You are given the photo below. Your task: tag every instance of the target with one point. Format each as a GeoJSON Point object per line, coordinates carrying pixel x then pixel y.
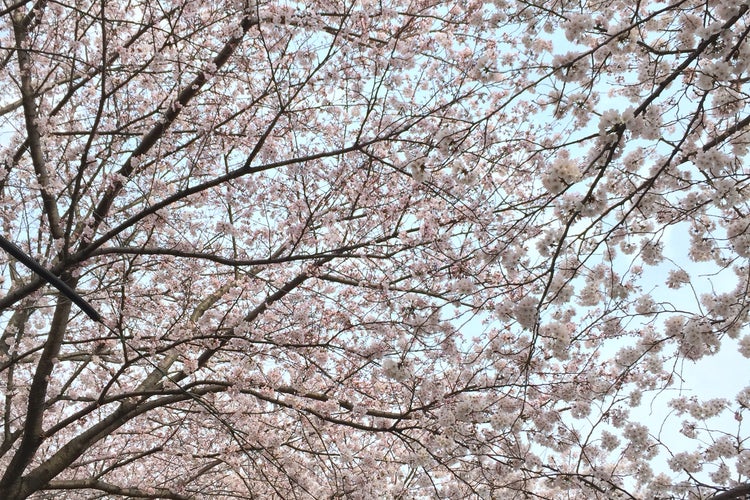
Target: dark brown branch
{"type": "Point", "coordinates": [736, 493]}
{"type": "Point", "coordinates": [31, 117]}
{"type": "Point", "coordinates": [151, 138]}
{"type": "Point", "coordinates": [32, 430]}
{"type": "Point", "coordinates": [93, 484]}
{"type": "Point", "coordinates": [50, 278]}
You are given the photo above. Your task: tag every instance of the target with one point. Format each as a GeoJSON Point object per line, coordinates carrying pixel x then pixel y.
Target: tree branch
{"type": "Point", "coordinates": [32, 118]}
{"type": "Point", "coordinates": [50, 278]}
{"type": "Point", "coordinates": [94, 484]}
{"type": "Point", "coordinates": [32, 431]}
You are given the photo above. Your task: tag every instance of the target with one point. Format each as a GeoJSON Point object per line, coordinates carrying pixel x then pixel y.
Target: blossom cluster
{"type": "Point", "coordinates": [561, 173]}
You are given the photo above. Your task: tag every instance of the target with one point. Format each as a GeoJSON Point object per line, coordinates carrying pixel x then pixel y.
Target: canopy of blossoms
{"type": "Point", "coordinates": [372, 249]}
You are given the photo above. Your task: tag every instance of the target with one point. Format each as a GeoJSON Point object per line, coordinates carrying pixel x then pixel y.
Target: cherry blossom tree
{"type": "Point", "coordinates": [371, 249]}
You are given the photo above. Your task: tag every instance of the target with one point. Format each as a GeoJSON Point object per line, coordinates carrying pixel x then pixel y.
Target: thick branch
{"type": "Point", "coordinates": [50, 278]}
{"type": "Point", "coordinates": [32, 432]}
{"type": "Point", "coordinates": [93, 484]}
{"type": "Point", "coordinates": [183, 99]}
{"type": "Point", "coordinates": [736, 493]}
{"type": "Point", "coordinates": [32, 118]}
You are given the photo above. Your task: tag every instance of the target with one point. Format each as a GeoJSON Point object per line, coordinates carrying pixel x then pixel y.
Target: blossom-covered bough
{"type": "Point", "coordinates": [355, 249]}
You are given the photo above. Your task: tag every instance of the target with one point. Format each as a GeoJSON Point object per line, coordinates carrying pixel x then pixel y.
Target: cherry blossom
{"type": "Point", "coordinates": [393, 249]}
